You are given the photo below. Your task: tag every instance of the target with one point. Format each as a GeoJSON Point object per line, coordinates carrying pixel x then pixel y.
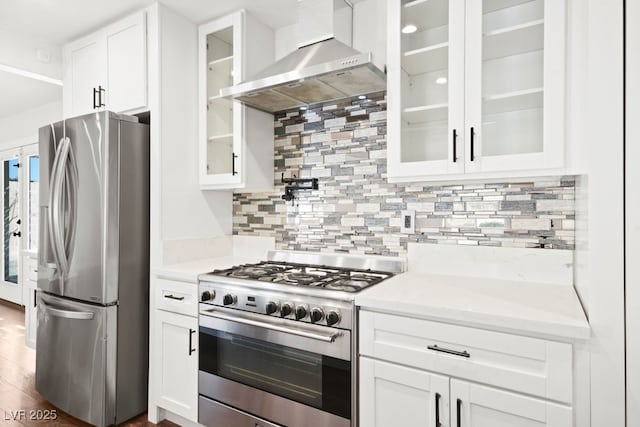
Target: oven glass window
{"type": "Point", "coordinates": [312, 379]}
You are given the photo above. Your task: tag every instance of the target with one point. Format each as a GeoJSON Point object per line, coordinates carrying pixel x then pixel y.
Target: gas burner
{"type": "Point", "coordinates": [317, 276]}
{"type": "Point", "coordinates": [299, 278]}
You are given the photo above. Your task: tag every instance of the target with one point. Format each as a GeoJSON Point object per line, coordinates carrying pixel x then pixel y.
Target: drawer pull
{"type": "Point", "coordinates": [170, 296]}
{"type": "Point", "coordinates": [448, 351]}
{"type": "Point", "coordinates": [191, 349]}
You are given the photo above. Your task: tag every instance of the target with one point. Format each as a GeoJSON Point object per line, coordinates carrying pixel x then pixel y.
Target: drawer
{"type": "Point", "coordinates": [527, 365]}
{"type": "Point", "coordinates": [177, 297]}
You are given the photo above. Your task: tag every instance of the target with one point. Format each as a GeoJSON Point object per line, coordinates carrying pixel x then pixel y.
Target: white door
{"type": "Point", "coordinates": [177, 385]}
{"type": "Point", "coordinates": [30, 215]}
{"type": "Point", "coordinates": [473, 405]}
{"type": "Point", "coordinates": [85, 72]}
{"type": "Point", "coordinates": [12, 225]}
{"type": "Point", "coordinates": [393, 395]}
{"type": "Point", "coordinates": [126, 84]}
{"type": "Point", "coordinates": [514, 59]}
{"type": "Point", "coordinates": [426, 87]}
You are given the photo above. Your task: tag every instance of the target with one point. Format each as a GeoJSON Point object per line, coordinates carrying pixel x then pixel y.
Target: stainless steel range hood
{"type": "Point", "coordinates": [318, 72]}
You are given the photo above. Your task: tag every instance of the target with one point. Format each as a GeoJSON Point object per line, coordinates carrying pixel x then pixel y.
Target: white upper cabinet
{"type": "Point", "coordinates": [126, 47]}
{"type": "Point", "coordinates": [107, 69]}
{"type": "Point", "coordinates": [236, 142]}
{"type": "Point", "coordinates": [425, 87]}
{"type": "Point", "coordinates": [85, 72]}
{"type": "Point", "coordinates": [476, 88]}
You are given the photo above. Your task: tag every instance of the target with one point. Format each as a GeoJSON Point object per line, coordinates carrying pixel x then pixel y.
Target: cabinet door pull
{"type": "Point", "coordinates": [473, 156]}
{"type": "Point", "coordinates": [171, 296]}
{"type": "Point", "coordinates": [449, 351]}
{"type": "Point", "coordinates": [458, 412]}
{"type": "Point", "coordinates": [233, 164]}
{"type": "Point", "coordinates": [191, 349]}
{"type": "Point", "coordinates": [455, 148]}
{"type": "Point", "coordinates": [95, 95]}
{"type": "Point", "coordinates": [101, 90]}
{"type": "Point", "coordinates": [438, 410]}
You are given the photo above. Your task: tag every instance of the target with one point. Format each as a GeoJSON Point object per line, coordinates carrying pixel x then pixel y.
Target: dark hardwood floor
{"type": "Point", "coordinates": [17, 378]}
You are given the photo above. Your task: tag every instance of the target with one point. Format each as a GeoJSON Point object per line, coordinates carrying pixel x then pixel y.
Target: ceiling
{"type": "Point", "coordinates": [60, 21]}
{"type": "Point", "coordinates": [25, 93]}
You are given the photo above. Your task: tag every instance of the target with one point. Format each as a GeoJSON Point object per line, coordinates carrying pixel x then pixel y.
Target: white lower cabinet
{"type": "Point", "coordinates": [394, 395]}
{"type": "Point", "coordinates": [479, 406]}
{"type": "Point", "coordinates": [176, 363]}
{"type": "Point", "coordinates": [421, 373]}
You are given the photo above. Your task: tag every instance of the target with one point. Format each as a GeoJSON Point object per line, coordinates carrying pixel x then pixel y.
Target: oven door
{"type": "Point", "coordinates": [286, 372]}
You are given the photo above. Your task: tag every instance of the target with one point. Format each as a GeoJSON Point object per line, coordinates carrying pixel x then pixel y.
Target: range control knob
{"type": "Point", "coordinates": [285, 310]}
{"type": "Point", "coordinates": [271, 307]}
{"type": "Point", "coordinates": [316, 314]}
{"type": "Point", "coordinates": [207, 296]}
{"type": "Point", "coordinates": [229, 299]}
{"type": "Point", "coordinates": [332, 318]}
{"type": "Point", "coordinates": [301, 312]}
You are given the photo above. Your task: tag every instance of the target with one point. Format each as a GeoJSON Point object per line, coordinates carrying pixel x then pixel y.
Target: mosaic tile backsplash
{"type": "Point", "coordinates": [357, 210]}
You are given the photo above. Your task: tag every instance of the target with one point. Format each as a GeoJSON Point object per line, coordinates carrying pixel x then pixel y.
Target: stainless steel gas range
{"type": "Point", "coordinates": [278, 340]}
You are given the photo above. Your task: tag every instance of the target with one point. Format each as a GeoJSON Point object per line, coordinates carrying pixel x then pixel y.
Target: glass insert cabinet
{"type": "Point", "coordinates": [475, 86]}
{"type": "Point", "coordinates": [234, 149]}
{"type": "Point", "coordinates": [223, 116]}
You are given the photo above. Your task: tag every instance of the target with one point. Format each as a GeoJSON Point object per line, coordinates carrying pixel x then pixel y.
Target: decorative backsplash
{"type": "Point", "coordinates": [356, 210]}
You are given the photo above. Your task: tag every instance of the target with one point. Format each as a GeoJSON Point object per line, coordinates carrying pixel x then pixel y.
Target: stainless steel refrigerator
{"type": "Point", "coordinates": [93, 267]}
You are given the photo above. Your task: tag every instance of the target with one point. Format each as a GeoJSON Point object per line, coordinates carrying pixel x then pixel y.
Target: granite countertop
{"type": "Point", "coordinates": [530, 308]}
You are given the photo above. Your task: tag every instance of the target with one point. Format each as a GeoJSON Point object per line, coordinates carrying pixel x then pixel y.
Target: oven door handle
{"type": "Point", "coordinates": [329, 338]}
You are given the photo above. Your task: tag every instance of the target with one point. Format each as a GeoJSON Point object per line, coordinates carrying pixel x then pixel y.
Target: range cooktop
{"type": "Point", "coordinates": [317, 276]}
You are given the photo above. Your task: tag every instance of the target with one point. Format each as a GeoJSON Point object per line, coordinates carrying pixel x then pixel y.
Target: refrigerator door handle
{"type": "Point", "coordinates": [67, 314]}
{"type": "Point", "coordinates": [56, 206]}
{"type": "Point", "coordinates": [70, 187]}
{"type": "Point", "coordinates": [55, 167]}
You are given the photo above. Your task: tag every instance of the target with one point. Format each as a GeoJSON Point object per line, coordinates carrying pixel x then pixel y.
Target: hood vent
{"type": "Point", "coordinates": [323, 71]}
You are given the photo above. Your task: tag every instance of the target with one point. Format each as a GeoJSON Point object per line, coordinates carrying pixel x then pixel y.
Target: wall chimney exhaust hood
{"type": "Point", "coordinates": [323, 68]}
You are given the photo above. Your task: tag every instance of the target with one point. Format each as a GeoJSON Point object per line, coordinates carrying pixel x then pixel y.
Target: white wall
{"type": "Point", "coordinates": [186, 211]}
{"type": "Point", "coordinates": [22, 128]}
{"type": "Point", "coordinates": [369, 29]}
{"type": "Point", "coordinates": [19, 51]}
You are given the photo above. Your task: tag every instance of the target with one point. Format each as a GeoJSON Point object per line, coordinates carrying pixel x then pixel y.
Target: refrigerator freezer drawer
{"type": "Point", "coordinates": [75, 357]}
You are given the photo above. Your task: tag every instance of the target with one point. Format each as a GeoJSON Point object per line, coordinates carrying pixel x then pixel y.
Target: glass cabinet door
{"type": "Point", "coordinates": [510, 83]}
{"type": "Point", "coordinates": [430, 82]}
{"type": "Point", "coordinates": [221, 136]}
{"type": "Point", "coordinates": [219, 110]}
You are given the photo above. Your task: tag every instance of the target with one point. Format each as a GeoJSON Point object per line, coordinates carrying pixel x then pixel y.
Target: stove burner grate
{"type": "Point", "coordinates": [318, 276]}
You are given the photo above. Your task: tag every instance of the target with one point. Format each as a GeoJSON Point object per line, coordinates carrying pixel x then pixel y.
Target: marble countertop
{"type": "Point", "coordinates": [189, 271]}
{"type": "Point", "coordinates": [530, 308]}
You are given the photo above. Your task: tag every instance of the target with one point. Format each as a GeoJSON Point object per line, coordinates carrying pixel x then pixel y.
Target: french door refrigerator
{"type": "Point", "coordinates": [93, 267]}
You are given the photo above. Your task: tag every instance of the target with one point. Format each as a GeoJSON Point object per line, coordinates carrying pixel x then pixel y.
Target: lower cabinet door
{"type": "Point", "coordinates": [394, 395]}
{"type": "Point", "coordinates": [473, 405]}
{"type": "Point", "coordinates": [177, 379]}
